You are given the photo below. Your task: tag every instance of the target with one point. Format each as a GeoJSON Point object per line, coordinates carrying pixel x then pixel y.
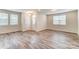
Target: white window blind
{"type": "Point", "coordinates": [59, 20]}
{"type": "Point", "coordinates": [13, 19]}
{"type": "Point", "coordinates": [3, 19]}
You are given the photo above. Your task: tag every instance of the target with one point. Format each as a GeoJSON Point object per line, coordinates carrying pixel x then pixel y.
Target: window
{"type": "Point", "coordinates": [13, 19]}
{"type": "Point", "coordinates": [3, 19]}
{"type": "Point", "coordinates": [59, 20]}
{"type": "Point", "coordinates": [33, 19]}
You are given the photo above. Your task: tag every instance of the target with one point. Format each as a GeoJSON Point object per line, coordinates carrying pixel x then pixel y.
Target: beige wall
{"type": "Point", "coordinates": [24, 23]}
{"type": "Point", "coordinates": [27, 22]}
{"type": "Point", "coordinates": [9, 28]}
{"type": "Point", "coordinates": [42, 23]}
{"type": "Point", "coordinates": [78, 22]}
{"type": "Point", "coordinates": [72, 22]}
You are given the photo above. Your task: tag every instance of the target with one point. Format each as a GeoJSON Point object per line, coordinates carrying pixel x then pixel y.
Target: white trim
{"type": "Point", "coordinates": [61, 11]}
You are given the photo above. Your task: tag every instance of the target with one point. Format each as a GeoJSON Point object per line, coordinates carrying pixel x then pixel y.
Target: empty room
{"type": "Point", "coordinates": [39, 29]}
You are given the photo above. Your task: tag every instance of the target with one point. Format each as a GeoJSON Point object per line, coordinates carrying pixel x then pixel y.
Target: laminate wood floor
{"type": "Point", "coordinates": [46, 39]}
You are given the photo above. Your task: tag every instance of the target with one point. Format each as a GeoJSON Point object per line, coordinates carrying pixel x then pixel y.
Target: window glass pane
{"type": "Point", "coordinates": [13, 19]}
{"type": "Point", "coordinates": [3, 19]}
{"type": "Point", "coordinates": [55, 22]}
{"type": "Point", "coordinates": [56, 18]}
{"type": "Point", "coordinates": [59, 19]}
{"type": "Point", "coordinates": [62, 22]}
{"type": "Point", "coordinates": [62, 17]}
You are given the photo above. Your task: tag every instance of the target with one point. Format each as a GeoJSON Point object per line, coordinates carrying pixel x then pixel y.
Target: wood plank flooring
{"type": "Point", "coordinates": [46, 39]}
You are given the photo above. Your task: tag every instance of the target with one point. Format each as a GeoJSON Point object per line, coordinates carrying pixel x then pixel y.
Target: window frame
{"type": "Point", "coordinates": [59, 21]}
{"type": "Point", "coordinates": [7, 18]}
{"type": "Point", "coordinates": [10, 19]}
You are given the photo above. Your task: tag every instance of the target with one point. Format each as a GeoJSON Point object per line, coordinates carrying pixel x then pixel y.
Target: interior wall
{"type": "Point", "coordinates": [78, 22]}
{"type": "Point", "coordinates": [72, 22]}
{"type": "Point", "coordinates": [41, 22]}
{"type": "Point", "coordinates": [10, 28]}
{"type": "Point", "coordinates": [27, 22]}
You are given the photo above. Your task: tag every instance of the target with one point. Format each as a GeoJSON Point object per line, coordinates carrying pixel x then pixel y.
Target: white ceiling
{"type": "Point", "coordinates": [44, 11]}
